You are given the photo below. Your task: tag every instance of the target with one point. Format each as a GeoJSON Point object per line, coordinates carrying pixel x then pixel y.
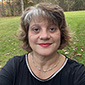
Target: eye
{"type": "Point", "coordinates": [36, 30]}
{"type": "Point", "coordinates": [52, 29]}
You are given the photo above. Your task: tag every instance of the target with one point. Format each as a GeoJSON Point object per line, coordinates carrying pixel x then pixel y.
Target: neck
{"type": "Point", "coordinates": [45, 62]}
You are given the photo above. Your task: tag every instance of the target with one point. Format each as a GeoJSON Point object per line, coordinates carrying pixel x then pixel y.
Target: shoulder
{"type": "Point", "coordinates": [74, 64]}
{"type": "Point", "coordinates": [14, 60]}
{"type": "Point", "coordinates": [8, 72]}
{"type": "Point", "coordinates": [77, 70]}
{"type": "Point", "coordinates": [73, 68]}
{"type": "Point", "coordinates": [20, 58]}
{"type": "Point", "coordinates": [17, 61]}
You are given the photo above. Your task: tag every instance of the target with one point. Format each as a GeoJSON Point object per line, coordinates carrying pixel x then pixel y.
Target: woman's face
{"type": "Point", "coordinates": [44, 36]}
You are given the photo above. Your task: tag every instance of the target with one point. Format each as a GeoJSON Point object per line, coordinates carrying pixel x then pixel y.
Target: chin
{"type": "Point", "coordinates": [46, 53]}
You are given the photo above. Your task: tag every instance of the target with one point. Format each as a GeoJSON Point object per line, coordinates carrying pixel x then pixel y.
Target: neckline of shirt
{"type": "Point", "coordinates": [44, 80]}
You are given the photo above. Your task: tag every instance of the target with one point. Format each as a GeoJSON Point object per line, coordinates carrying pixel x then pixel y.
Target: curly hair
{"type": "Point", "coordinates": [49, 11]}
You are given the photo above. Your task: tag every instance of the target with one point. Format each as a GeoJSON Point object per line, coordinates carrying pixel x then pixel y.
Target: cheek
{"type": "Point", "coordinates": [57, 40]}
{"type": "Point", "coordinates": [32, 38]}
{"type": "Point", "coordinates": [57, 36]}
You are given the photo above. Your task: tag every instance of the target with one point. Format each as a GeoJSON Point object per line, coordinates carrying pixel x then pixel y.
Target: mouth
{"type": "Point", "coordinates": [45, 44]}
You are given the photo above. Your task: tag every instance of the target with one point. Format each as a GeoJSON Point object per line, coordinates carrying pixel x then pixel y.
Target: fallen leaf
{"type": "Point", "coordinates": [66, 52]}
{"type": "Point", "coordinates": [74, 49]}
{"type": "Point", "coordinates": [81, 46]}
{"type": "Point", "coordinates": [12, 43]}
{"type": "Point", "coordinates": [63, 50]}
{"type": "Point", "coordinates": [7, 53]}
{"type": "Point", "coordinates": [81, 49]}
{"type": "Point", "coordinates": [9, 40]}
{"type": "Point", "coordinates": [74, 55]}
{"type": "Point", "coordinates": [77, 40]}
{"type": "Point", "coordinates": [75, 52]}
{"type": "Point", "coordinates": [79, 54]}
{"type": "Point", "coordinates": [14, 49]}
{"type": "Point", "coordinates": [74, 43]}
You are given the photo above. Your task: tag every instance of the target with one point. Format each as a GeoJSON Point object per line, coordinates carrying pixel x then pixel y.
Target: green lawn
{"type": "Point", "coordinates": [9, 43]}
{"type": "Point", "coordinates": [76, 22]}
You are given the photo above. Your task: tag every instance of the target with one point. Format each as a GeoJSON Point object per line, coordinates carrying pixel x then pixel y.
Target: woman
{"type": "Point", "coordinates": [43, 31]}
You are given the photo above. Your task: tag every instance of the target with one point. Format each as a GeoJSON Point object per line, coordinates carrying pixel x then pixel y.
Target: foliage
{"type": "Point", "coordinates": [14, 7]}
{"type": "Point", "coordinates": [9, 43]}
{"type": "Point", "coordinates": [10, 8]}
{"type": "Point", "coordinates": [78, 5]}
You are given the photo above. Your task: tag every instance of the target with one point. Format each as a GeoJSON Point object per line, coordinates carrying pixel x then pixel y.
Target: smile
{"type": "Point", "coordinates": [45, 44]}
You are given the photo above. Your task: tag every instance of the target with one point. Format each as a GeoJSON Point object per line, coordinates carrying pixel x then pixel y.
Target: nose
{"type": "Point", "coordinates": [44, 35]}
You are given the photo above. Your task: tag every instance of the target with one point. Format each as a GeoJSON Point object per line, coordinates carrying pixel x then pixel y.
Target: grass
{"type": "Point", "coordinates": [76, 22]}
{"type": "Point", "coordinates": [9, 43]}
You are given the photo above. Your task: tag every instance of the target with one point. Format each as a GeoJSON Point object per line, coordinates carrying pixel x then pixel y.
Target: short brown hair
{"type": "Point", "coordinates": [51, 11]}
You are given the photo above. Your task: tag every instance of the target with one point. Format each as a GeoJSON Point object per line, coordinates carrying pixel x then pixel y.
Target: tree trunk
{"type": "Point", "coordinates": [22, 6]}
{"type": "Point", "coordinates": [2, 12]}
{"type": "Point", "coordinates": [61, 3]}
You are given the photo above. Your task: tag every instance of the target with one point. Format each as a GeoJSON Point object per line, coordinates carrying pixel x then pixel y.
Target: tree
{"type": "Point", "coordinates": [16, 7]}
{"type": "Point", "coordinates": [61, 3]}
{"type": "Point", "coordinates": [22, 6]}
{"type": "Point", "coordinates": [78, 4]}
{"type": "Point", "coordinates": [2, 10]}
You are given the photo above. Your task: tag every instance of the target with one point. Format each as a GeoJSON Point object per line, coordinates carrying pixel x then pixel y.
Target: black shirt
{"type": "Point", "coordinates": [17, 72]}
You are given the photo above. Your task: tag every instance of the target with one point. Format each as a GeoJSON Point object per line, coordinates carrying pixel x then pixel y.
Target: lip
{"type": "Point", "coordinates": [45, 44]}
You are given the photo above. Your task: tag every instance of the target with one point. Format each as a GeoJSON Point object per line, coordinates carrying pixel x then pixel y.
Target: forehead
{"type": "Point", "coordinates": [43, 19]}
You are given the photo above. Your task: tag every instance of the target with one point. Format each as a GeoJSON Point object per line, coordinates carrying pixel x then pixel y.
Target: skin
{"type": "Point", "coordinates": [42, 30]}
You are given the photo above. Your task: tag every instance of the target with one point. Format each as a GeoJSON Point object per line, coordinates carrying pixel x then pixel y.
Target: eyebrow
{"type": "Point", "coordinates": [53, 24]}
{"type": "Point", "coordinates": [48, 25]}
{"type": "Point", "coordinates": [33, 25]}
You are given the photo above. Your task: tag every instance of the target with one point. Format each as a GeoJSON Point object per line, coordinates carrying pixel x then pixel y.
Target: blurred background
{"type": "Point", "coordinates": [10, 12]}
{"type": "Point", "coordinates": [16, 7]}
